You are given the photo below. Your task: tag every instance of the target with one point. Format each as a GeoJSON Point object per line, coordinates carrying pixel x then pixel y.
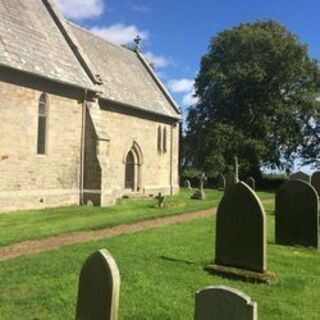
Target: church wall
{"type": "Point", "coordinates": [156, 176]}
{"type": "Point", "coordinates": [29, 180]}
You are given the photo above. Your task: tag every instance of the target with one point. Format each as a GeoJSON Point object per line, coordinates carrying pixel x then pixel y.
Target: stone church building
{"type": "Point", "coordinates": [81, 119]}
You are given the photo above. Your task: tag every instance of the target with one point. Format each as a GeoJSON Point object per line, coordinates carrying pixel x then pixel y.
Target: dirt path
{"type": "Point", "coordinates": [52, 243]}
{"type": "Point", "coordinates": [37, 246]}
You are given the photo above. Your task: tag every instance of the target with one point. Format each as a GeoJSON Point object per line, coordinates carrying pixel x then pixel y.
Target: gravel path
{"type": "Point", "coordinates": [36, 246]}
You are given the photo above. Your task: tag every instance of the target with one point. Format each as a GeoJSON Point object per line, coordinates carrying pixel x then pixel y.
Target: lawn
{"type": "Point", "coordinates": [30, 225]}
{"type": "Point", "coordinates": [161, 270]}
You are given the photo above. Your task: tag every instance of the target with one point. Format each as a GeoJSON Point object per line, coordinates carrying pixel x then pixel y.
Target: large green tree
{"type": "Point", "coordinates": [256, 87]}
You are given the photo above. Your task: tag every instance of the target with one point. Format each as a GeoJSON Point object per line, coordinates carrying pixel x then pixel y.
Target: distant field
{"type": "Point", "coordinates": [161, 270]}
{"type": "Point", "coordinates": [31, 225]}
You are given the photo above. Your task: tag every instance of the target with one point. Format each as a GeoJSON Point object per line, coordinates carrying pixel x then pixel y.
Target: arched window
{"type": "Point", "coordinates": [164, 138]}
{"type": "Point", "coordinates": [42, 124]}
{"type": "Point", "coordinates": [159, 139]}
{"type": "Point", "coordinates": [130, 171]}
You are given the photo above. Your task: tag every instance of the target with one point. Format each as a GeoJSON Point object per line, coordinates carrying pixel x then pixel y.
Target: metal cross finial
{"type": "Point", "coordinates": [137, 40]}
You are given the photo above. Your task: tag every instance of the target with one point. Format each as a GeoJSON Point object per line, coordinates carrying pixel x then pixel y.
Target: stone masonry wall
{"type": "Point", "coordinates": [28, 180]}
{"type": "Point", "coordinates": [156, 176]}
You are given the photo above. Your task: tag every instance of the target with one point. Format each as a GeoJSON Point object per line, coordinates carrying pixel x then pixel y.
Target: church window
{"type": "Point", "coordinates": [164, 139]}
{"type": "Point", "coordinates": [159, 139]}
{"type": "Point", "coordinates": [42, 124]}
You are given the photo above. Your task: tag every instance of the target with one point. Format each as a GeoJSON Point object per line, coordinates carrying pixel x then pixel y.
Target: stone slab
{"type": "Point", "coordinates": [223, 303]}
{"type": "Point", "coordinates": [99, 287]}
{"type": "Point", "coordinates": [297, 214]}
{"type": "Point", "coordinates": [241, 230]}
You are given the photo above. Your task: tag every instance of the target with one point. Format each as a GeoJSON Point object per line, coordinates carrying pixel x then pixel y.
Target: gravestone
{"type": "Point", "coordinates": [230, 180]}
{"type": "Point", "coordinates": [300, 176]}
{"type": "Point", "coordinates": [221, 182]}
{"type": "Point", "coordinates": [187, 184]}
{"type": "Point", "coordinates": [160, 199]}
{"type": "Point", "coordinates": [297, 214]}
{"type": "Point", "coordinates": [99, 286]}
{"type": "Point", "coordinates": [315, 181]}
{"type": "Point", "coordinates": [236, 169]}
{"type": "Point", "coordinates": [241, 236]}
{"type": "Point", "coordinates": [251, 182]}
{"type": "Point", "coordinates": [223, 303]}
{"type": "Point", "coordinates": [199, 194]}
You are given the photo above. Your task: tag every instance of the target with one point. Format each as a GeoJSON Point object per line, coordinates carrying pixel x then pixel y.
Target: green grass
{"type": "Point", "coordinates": [160, 272]}
{"type": "Point", "coordinates": [31, 225]}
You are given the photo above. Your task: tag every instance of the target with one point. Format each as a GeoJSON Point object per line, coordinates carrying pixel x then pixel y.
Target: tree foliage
{"type": "Point", "coordinates": [256, 88]}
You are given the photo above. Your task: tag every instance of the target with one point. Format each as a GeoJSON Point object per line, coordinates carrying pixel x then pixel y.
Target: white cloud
{"type": "Point", "coordinates": [120, 33]}
{"type": "Point", "coordinates": [181, 85]}
{"type": "Point", "coordinates": [189, 99]}
{"type": "Point", "coordinates": [157, 61]}
{"type": "Point", "coordinates": [81, 9]}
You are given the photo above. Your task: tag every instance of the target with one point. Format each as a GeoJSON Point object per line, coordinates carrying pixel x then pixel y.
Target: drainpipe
{"type": "Point", "coordinates": [171, 159]}
{"type": "Point", "coordinates": [83, 145]}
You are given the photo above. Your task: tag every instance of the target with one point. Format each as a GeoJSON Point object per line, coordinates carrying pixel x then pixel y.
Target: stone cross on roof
{"type": "Point", "coordinates": [137, 40]}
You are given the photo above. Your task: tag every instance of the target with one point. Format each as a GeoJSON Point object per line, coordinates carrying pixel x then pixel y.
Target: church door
{"type": "Point", "coordinates": [130, 171]}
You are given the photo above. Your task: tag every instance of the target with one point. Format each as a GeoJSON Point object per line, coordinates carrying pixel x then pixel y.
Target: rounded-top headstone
{"type": "Point", "coordinates": [251, 182]}
{"type": "Point", "coordinates": [300, 176]}
{"type": "Point", "coordinates": [219, 303]}
{"type": "Point", "coordinates": [230, 180]}
{"type": "Point", "coordinates": [297, 214]}
{"type": "Point", "coordinates": [315, 181]}
{"type": "Point", "coordinates": [240, 230]}
{"type": "Point", "coordinates": [221, 182]}
{"type": "Point", "coordinates": [99, 287]}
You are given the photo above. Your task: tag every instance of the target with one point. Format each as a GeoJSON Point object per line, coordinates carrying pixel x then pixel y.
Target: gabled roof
{"type": "Point", "coordinates": [126, 76]}
{"type": "Point", "coordinates": [31, 41]}
{"type": "Point", "coordinates": [36, 39]}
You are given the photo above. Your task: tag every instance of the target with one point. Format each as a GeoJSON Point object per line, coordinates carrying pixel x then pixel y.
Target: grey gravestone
{"type": "Point", "coordinates": [230, 179]}
{"type": "Point", "coordinates": [187, 184]}
{"type": "Point", "coordinates": [315, 181]}
{"type": "Point", "coordinates": [241, 230]}
{"type": "Point", "coordinates": [200, 194]}
{"type": "Point", "coordinates": [236, 169]}
{"type": "Point", "coordinates": [221, 182]}
{"type": "Point", "coordinates": [223, 303]}
{"type": "Point", "coordinates": [300, 176]}
{"type": "Point", "coordinates": [297, 214]}
{"type": "Point", "coordinates": [160, 199]}
{"type": "Point", "coordinates": [251, 182]}
{"type": "Point", "coordinates": [99, 286]}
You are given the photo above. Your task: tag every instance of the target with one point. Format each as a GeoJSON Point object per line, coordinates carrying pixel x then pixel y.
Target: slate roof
{"type": "Point", "coordinates": [126, 77]}
{"type": "Point", "coordinates": [31, 41]}
{"type": "Point", "coordinates": [34, 38]}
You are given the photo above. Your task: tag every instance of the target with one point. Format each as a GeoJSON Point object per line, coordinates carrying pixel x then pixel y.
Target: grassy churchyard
{"type": "Point", "coordinates": [161, 269]}
{"type": "Point", "coordinates": [160, 272]}
{"type": "Point", "coordinates": [39, 224]}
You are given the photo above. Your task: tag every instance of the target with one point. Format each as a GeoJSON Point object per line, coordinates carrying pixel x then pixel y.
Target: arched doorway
{"type": "Point", "coordinates": [133, 163]}
{"type": "Point", "coordinates": [130, 171]}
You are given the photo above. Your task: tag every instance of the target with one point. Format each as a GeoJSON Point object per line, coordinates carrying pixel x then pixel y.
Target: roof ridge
{"type": "Point", "coordinates": [100, 37]}
{"type": "Point", "coordinates": [72, 41]}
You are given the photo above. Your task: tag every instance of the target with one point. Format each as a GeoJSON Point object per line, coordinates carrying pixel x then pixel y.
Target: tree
{"type": "Point", "coordinates": [256, 89]}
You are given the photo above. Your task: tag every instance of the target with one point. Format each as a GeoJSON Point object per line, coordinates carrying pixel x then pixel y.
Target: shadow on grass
{"type": "Point", "coordinates": [178, 260]}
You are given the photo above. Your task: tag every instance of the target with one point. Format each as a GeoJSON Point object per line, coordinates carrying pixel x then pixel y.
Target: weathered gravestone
{"type": "Point", "coordinates": [221, 182]}
{"type": "Point", "coordinates": [160, 199]}
{"type": "Point", "coordinates": [315, 181]}
{"type": "Point", "coordinates": [200, 194]}
{"type": "Point", "coordinates": [99, 286]}
{"type": "Point", "coordinates": [241, 235]}
{"type": "Point", "coordinates": [300, 176]}
{"type": "Point", "coordinates": [187, 184]}
{"type": "Point", "coordinates": [230, 180]}
{"type": "Point", "coordinates": [223, 303]}
{"type": "Point", "coordinates": [251, 182]}
{"type": "Point", "coordinates": [297, 214]}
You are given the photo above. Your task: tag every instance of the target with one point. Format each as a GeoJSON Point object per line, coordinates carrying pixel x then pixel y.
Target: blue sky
{"type": "Point", "coordinates": [177, 32]}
